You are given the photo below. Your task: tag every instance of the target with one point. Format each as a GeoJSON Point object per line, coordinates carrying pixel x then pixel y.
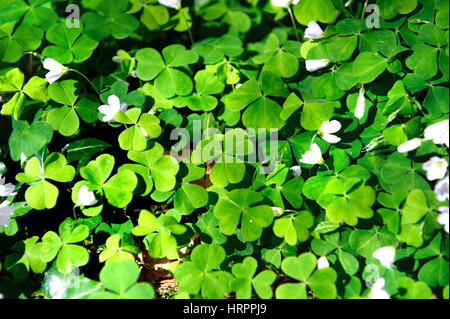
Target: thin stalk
{"type": "Point", "coordinates": [84, 77]}
{"type": "Point", "coordinates": [293, 23]}
{"type": "Point", "coordinates": [187, 26]}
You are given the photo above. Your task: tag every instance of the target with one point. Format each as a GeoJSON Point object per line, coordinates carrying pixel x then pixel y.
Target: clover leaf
{"type": "Point", "coordinates": [162, 168]}
{"type": "Point", "coordinates": [143, 126]}
{"type": "Point", "coordinates": [42, 194]}
{"type": "Point", "coordinates": [65, 119]}
{"type": "Point", "coordinates": [118, 247]}
{"type": "Point", "coordinates": [294, 228]}
{"type": "Point", "coordinates": [245, 279]}
{"type": "Point", "coordinates": [240, 203]}
{"type": "Point", "coordinates": [70, 45]}
{"type": "Point", "coordinates": [169, 80]}
{"type": "Point", "coordinates": [62, 246]}
{"type": "Point", "coordinates": [12, 81]}
{"type": "Point", "coordinates": [199, 276]}
{"type": "Point", "coordinates": [119, 279]}
{"type": "Point", "coordinates": [159, 234]}
{"type": "Point", "coordinates": [109, 19]}
{"type": "Point", "coordinates": [262, 112]}
{"type": "Point", "coordinates": [118, 189]}
{"type": "Point", "coordinates": [13, 43]}
{"type": "Point", "coordinates": [321, 282]}
{"type": "Point", "coordinates": [25, 257]}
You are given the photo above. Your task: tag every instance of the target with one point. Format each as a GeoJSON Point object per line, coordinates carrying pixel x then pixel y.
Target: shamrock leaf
{"type": "Point", "coordinates": [36, 13]}
{"type": "Point", "coordinates": [169, 81]}
{"type": "Point", "coordinates": [162, 168]}
{"type": "Point", "coordinates": [244, 273]}
{"type": "Point", "coordinates": [65, 119]}
{"type": "Point", "coordinates": [118, 247]}
{"type": "Point", "coordinates": [110, 19]}
{"type": "Point", "coordinates": [310, 10]}
{"type": "Point", "coordinates": [199, 274]}
{"type": "Point", "coordinates": [118, 189]}
{"type": "Point", "coordinates": [206, 84]}
{"type": "Point", "coordinates": [119, 278]}
{"type": "Point", "coordinates": [70, 45]}
{"type": "Point", "coordinates": [68, 255]}
{"type": "Point", "coordinates": [13, 43]}
{"type": "Point", "coordinates": [42, 194]}
{"type": "Point", "coordinates": [213, 50]}
{"type": "Point", "coordinates": [11, 81]}
{"type": "Point", "coordinates": [143, 126]}
{"type": "Point", "coordinates": [25, 257]}
{"type": "Point", "coordinates": [277, 59]}
{"type": "Point", "coordinates": [294, 228]}
{"type": "Point", "coordinates": [301, 268]}
{"type": "Point", "coordinates": [262, 112]}
{"type": "Point", "coordinates": [240, 203]}
{"type": "Point", "coordinates": [29, 139]}
{"type": "Point", "coordinates": [190, 196]}
{"type": "Point", "coordinates": [159, 234]}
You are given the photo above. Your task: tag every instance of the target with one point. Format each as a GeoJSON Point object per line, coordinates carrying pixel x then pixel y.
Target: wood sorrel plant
{"type": "Point", "coordinates": [228, 149]}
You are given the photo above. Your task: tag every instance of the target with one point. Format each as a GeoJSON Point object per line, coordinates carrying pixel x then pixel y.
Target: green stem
{"type": "Point", "coordinates": [293, 23]}
{"type": "Point", "coordinates": [84, 77]}
{"type": "Point", "coordinates": [187, 26]}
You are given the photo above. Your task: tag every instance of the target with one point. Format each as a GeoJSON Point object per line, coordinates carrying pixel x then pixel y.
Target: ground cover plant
{"type": "Point", "coordinates": [224, 149]}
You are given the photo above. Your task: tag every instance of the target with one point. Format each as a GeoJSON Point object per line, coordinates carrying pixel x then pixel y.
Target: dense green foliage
{"type": "Point", "coordinates": [334, 184]}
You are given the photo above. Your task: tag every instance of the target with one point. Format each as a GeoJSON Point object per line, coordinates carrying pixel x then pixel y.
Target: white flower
{"type": "Point", "coordinates": [313, 31]}
{"type": "Point", "coordinates": [284, 3]}
{"type": "Point", "coordinates": [443, 217]}
{"type": "Point", "coordinates": [441, 189]}
{"type": "Point", "coordinates": [326, 130]}
{"type": "Point", "coordinates": [176, 4]}
{"type": "Point", "coordinates": [409, 145]}
{"type": "Point", "coordinates": [6, 212]}
{"type": "Point", "coordinates": [56, 69]}
{"type": "Point", "coordinates": [6, 190]}
{"type": "Point", "coordinates": [322, 262]}
{"type": "Point", "coordinates": [436, 168]}
{"type": "Point", "coordinates": [296, 170]}
{"type": "Point", "coordinates": [85, 197]}
{"type": "Point", "coordinates": [386, 256]}
{"type": "Point", "coordinates": [313, 156]}
{"type": "Point", "coordinates": [277, 211]}
{"type": "Point", "coordinates": [360, 105]}
{"type": "Point", "coordinates": [112, 108]}
{"type": "Point", "coordinates": [314, 65]}
{"type": "Point", "coordinates": [377, 291]}
{"type": "Point", "coordinates": [438, 132]}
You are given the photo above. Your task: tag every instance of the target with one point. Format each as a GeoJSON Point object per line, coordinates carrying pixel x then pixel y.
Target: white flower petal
{"type": "Point", "coordinates": [443, 217]}
{"type": "Point", "coordinates": [296, 170]}
{"type": "Point", "coordinates": [176, 4]}
{"type": "Point", "coordinates": [409, 145]}
{"type": "Point", "coordinates": [52, 65]}
{"type": "Point", "coordinates": [330, 138]}
{"type": "Point", "coordinates": [438, 132]}
{"type": "Point", "coordinates": [386, 256]}
{"type": "Point", "coordinates": [377, 291]}
{"type": "Point", "coordinates": [360, 105]}
{"type": "Point", "coordinates": [313, 156]}
{"type": "Point", "coordinates": [322, 262]}
{"type": "Point", "coordinates": [436, 168]}
{"type": "Point", "coordinates": [281, 3]}
{"type": "Point", "coordinates": [6, 212]}
{"type": "Point", "coordinates": [85, 197]}
{"type": "Point", "coordinates": [314, 65]}
{"type": "Point", "coordinates": [114, 102]}
{"type": "Point", "coordinates": [313, 31]}
{"type": "Point", "coordinates": [441, 189]}
{"type": "Point", "coordinates": [328, 127]}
